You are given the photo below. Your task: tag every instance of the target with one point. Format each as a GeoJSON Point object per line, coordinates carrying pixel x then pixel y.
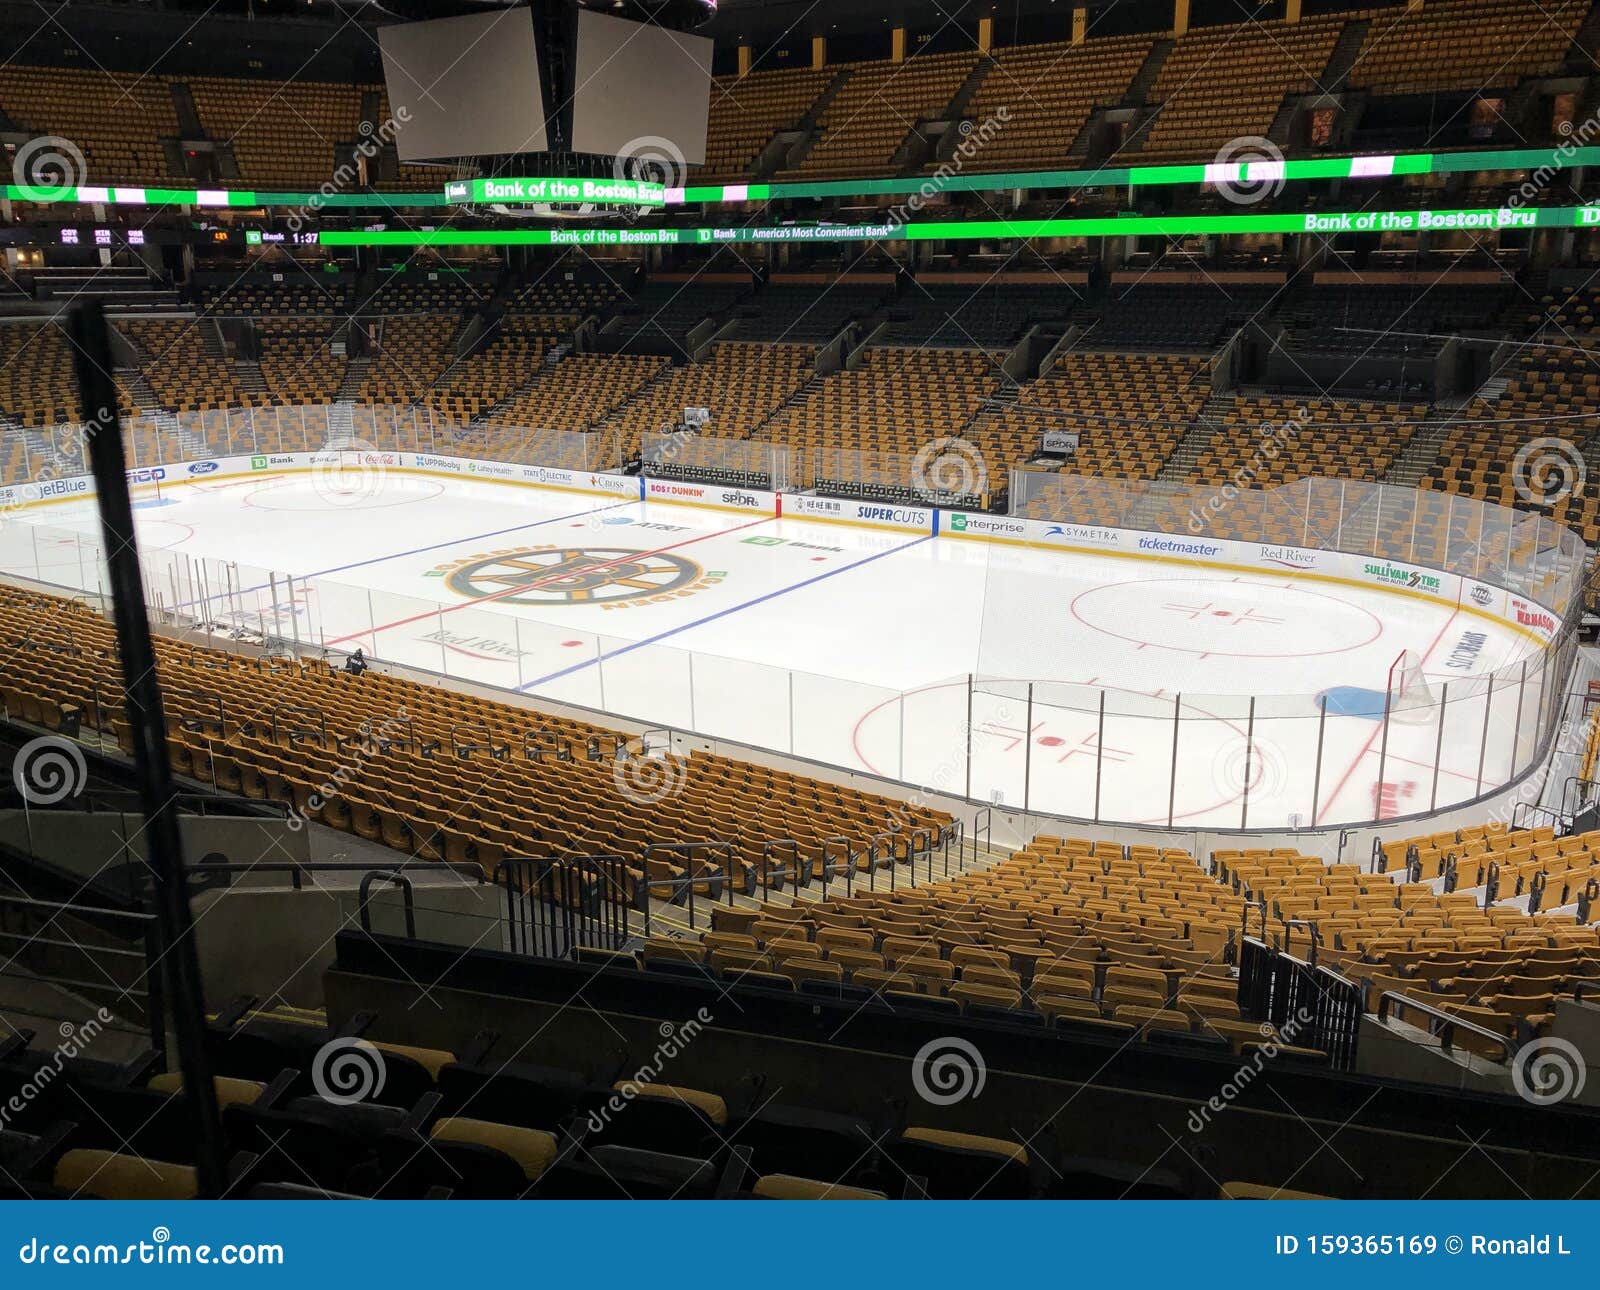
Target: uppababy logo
{"type": "Point", "coordinates": [1394, 575]}
{"type": "Point", "coordinates": [202, 467]}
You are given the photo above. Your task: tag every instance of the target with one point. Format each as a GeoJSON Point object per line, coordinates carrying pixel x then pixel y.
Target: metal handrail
{"type": "Point", "coordinates": [1393, 1000]}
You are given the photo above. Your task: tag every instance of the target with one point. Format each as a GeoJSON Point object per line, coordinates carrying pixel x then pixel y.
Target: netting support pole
{"type": "Point", "coordinates": [1383, 752]}
{"type": "Point", "coordinates": [1027, 749]}
{"type": "Point", "coordinates": [1483, 741]}
{"type": "Point", "coordinates": [969, 737]}
{"type": "Point", "coordinates": [1099, 754]}
{"type": "Point", "coordinates": [1516, 726]}
{"type": "Point", "coordinates": [1316, 775]}
{"type": "Point", "coordinates": [1249, 763]}
{"type": "Point", "coordinates": [1438, 746]}
{"type": "Point", "coordinates": [1172, 769]}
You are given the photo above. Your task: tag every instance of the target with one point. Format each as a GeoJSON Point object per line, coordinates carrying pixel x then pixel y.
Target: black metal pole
{"type": "Point", "coordinates": [91, 341]}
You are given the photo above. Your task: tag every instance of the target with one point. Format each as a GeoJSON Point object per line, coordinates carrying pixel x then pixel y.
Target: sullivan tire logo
{"type": "Point", "coordinates": [610, 577]}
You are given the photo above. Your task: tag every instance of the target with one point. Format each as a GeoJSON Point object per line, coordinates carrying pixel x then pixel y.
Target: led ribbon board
{"type": "Point", "coordinates": [1324, 223]}
{"type": "Point", "coordinates": [1382, 166]}
{"type": "Point", "coordinates": [512, 191]}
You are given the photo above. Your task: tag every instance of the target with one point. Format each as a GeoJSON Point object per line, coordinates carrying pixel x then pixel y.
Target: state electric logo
{"type": "Point", "coordinates": [609, 577]}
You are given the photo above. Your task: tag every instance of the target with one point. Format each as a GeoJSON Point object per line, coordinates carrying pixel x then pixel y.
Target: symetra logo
{"type": "Point", "coordinates": [202, 467]}
{"type": "Point", "coordinates": [1394, 575]}
{"type": "Point", "coordinates": [1290, 557]}
{"type": "Point", "coordinates": [1083, 533]}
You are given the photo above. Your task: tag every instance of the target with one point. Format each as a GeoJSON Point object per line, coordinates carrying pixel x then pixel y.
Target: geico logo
{"type": "Point", "coordinates": [149, 475]}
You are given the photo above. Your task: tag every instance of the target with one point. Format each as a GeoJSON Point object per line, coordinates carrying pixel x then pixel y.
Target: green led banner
{"type": "Point", "coordinates": [943, 180]}
{"type": "Point", "coordinates": [615, 192]}
{"type": "Point", "coordinates": [1324, 223]}
{"type": "Point", "coordinates": [1238, 173]}
{"type": "Point", "coordinates": [221, 197]}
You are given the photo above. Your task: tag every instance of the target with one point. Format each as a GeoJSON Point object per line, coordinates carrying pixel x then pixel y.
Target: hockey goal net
{"type": "Point", "coordinates": [1409, 696]}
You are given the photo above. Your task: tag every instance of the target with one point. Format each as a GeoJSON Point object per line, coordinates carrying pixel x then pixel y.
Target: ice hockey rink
{"type": "Point", "coordinates": [1095, 687]}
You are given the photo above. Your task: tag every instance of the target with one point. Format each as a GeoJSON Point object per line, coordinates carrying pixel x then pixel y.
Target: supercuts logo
{"type": "Point", "coordinates": [1532, 616]}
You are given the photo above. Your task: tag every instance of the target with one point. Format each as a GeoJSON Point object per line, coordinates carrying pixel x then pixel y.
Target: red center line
{"type": "Point", "coordinates": [1378, 726]}
{"type": "Point", "coordinates": [526, 586]}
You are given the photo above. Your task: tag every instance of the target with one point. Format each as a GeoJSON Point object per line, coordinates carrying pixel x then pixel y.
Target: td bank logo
{"type": "Point", "coordinates": [258, 463]}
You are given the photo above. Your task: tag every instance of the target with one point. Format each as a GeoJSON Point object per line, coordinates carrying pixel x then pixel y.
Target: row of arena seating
{"type": "Point", "coordinates": [1214, 84]}
{"type": "Point", "coordinates": [414, 793]}
{"type": "Point", "coordinates": [494, 1121]}
{"type": "Point", "coordinates": [1136, 938]}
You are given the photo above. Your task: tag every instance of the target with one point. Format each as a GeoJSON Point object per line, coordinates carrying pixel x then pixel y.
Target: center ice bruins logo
{"type": "Point", "coordinates": [610, 577]}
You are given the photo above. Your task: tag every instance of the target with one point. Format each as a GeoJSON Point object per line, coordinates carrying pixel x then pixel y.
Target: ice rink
{"type": "Point", "coordinates": [1104, 687]}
